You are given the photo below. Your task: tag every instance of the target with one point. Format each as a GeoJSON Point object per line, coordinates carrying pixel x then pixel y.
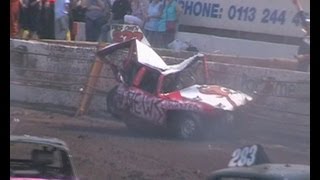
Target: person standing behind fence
{"type": "Point", "coordinates": [75, 13]}
{"type": "Point", "coordinates": [96, 17]}
{"type": "Point", "coordinates": [119, 9]}
{"type": "Point", "coordinates": [33, 15]}
{"type": "Point", "coordinates": [138, 14]}
{"type": "Point", "coordinates": [23, 18]}
{"type": "Point", "coordinates": [14, 18]}
{"type": "Point", "coordinates": [61, 19]}
{"type": "Point", "coordinates": [303, 55]}
{"type": "Point", "coordinates": [47, 20]}
{"type": "Point", "coordinates": [152, 23]}
{"type": "Point", "coordinates": [169, 21]}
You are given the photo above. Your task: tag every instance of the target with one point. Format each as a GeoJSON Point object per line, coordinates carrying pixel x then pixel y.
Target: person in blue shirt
{"type": "Point", "coordinates": [61, 25]}
{"type": "Point", "coordinates": [169, 21]}
{"type": "Point", "coordinates": [152, 23]}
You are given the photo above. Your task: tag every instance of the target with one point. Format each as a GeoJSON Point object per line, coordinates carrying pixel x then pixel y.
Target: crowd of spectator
{"type": "Point", "coordinates": [53, 19]}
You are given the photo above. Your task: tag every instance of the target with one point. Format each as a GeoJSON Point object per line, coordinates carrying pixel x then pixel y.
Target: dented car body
{"type": "Point", "coordinates": [40, 158]}
{"type": "Point", "coordinates": [172, 97]}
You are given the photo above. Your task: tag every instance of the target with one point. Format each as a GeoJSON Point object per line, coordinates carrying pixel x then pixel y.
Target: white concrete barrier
{"type": "Point", "coordinates": [238, 47]}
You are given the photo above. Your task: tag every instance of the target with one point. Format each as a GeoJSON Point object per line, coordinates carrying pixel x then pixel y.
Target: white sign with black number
{"type": "Point", "coordinates": [245, 156]}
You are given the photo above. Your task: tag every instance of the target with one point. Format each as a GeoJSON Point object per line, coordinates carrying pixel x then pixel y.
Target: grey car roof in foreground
{"type": "Point", "coordinates": [39, 140]}
{"type": "Point", "coordinates": [268, 171]}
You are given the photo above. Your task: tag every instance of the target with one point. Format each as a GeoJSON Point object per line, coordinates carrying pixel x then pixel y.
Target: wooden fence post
{"type": "Point", "coordinates": [89, 89]}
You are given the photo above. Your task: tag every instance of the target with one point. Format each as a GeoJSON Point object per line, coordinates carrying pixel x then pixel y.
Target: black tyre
{"type": "Point", "coordinates": [111, 108]}
{"type": "Point", "coordinates": [185, 126]}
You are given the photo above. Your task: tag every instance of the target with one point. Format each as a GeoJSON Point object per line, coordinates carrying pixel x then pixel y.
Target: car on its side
{"type": "Point", "coordinates": [40, 158]}
{"type": "Point", "coordinates": [175, 98]}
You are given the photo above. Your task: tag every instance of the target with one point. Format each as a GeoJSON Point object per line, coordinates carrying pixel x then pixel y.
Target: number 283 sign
{"type": "Point", "coordinates": [248, 156]}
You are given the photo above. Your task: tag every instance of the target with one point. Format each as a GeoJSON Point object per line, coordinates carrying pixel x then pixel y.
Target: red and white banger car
{"type": "Point", "coordinates": [172, 97]}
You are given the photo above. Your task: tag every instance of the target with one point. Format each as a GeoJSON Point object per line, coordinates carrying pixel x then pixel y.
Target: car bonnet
{"type": "Point", "coordinates": [216, 96]}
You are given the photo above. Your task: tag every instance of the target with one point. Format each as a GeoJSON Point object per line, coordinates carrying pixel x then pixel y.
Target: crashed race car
{"type": "Point", "coordinates": [252, 163]}
{"type": "Point", "coordinates": [35, 158]}
{"type": "Point", "coordinates": [174, 98]}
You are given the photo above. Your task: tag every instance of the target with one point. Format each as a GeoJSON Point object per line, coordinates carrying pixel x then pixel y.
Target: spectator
{"type": "Point", "coordinates": [76, 14]}
{"type": "Point", "coordinates": [51, 18]}
{"type": "Point", "coordinates": [14, 18]}
{"type": "Point", "coordinates": [23, 17]}
{"type": "Point", "coordinates": [169, 21]}
{"type": "Point", "coordinates": [119, 9]}
{"type": "Point", "coordinates": [138, 14]}
{"type": "Point", "coordinates": [96, 17]}
{"type": "Point", "coordinates": [33, 15]}
{"type": "Point", "coordinates": [47, 20]}
{"type": "Point", "coordinates": [78, 11]}
{"type": "Point", "coordinates": [152, 22]}
{"type": "Point", "coordinates": [61, 19]}
{"type": "Point", "coordinates": [303, 55]}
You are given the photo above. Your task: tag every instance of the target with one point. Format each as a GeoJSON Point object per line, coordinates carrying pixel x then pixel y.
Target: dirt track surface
{"type": "Point", "coordinates": [106, 149]}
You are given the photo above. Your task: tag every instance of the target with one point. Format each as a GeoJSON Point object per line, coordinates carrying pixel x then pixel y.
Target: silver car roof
{"type": "Point", "coordinates": [39, 140]}
{"type": "Point", "coordinates": [266, 171]}
{"type": "Point", "coordinates": [148, 57]}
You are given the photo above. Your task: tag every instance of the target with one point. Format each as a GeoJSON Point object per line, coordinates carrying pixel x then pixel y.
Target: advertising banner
{"type": "Point", "coordinates": [263, 16]}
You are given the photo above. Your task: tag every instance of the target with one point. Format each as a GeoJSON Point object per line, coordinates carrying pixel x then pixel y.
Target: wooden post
{"type": "Point", "coordinates": [206, 72]}
{"type": "Point", "coordinates": [89, 89]}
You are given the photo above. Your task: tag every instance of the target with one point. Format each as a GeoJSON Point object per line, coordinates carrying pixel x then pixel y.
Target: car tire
{"type": "Point", "coordinates": [111, 102]}
{"type": "Point", "coordinates": [186, 126]}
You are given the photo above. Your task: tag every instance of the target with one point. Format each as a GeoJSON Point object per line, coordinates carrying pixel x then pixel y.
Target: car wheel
{"type": "Point", "coordinates": [111, 108]}
{"type": "Point", "coordinates": [186, 126]}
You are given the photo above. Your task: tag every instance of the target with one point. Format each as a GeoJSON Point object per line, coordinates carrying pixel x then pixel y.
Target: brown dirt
{"type": "Point", "coordinates": [106, 149]}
